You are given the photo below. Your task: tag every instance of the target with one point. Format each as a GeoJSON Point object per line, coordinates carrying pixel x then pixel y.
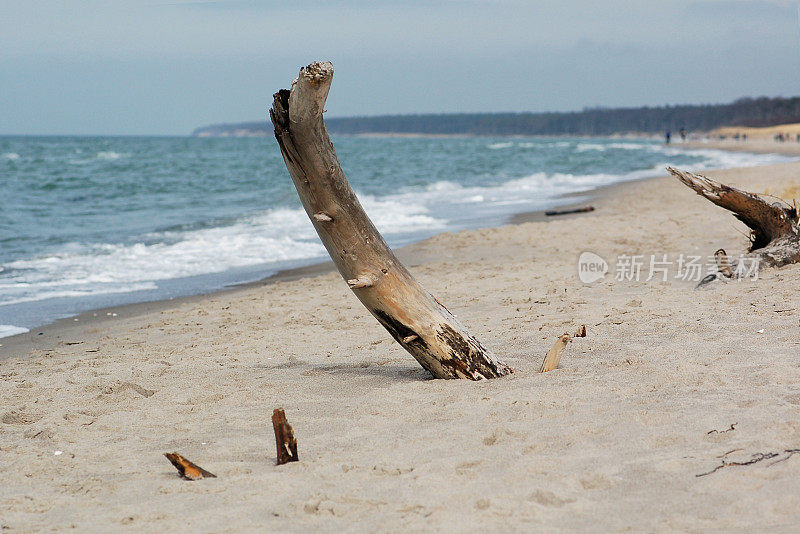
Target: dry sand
{"type": "Point", "coordinates": [670, 382]}
{"type": "Point", "coordinates": [766, 133]}
{"type": "Point", "coordinates": [758, 146]}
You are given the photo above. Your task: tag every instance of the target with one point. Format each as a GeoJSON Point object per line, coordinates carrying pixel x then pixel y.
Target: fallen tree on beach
{"type": "Point", "coordinates": [774, 226]}
{"type": "Point", "coordinates": [417, 320]}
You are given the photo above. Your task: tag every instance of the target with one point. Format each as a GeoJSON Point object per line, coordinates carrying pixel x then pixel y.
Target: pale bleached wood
{"type": "Point", "coordinates": [553, 355]}
{"type": "Point", "coordinates": [419, 322]}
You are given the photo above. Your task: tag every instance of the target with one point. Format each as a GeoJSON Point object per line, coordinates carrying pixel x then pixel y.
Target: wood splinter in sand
{"type": "Point", "coordinates": [774, 227]}
{"type": "Point", "coordinates": [187, 469]}
{"type": "Point", "coordinates": [421, 325]}
{"type": "Point", "coordinates": [553, 355]}
{"type": "Point", "coordinates": [285, 442]}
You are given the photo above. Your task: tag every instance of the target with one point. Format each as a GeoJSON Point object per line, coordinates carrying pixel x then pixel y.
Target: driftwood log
{"type": "Point", "coordinates": [419, 322]}
{"type": "Point", "coordinates": [774, 226]}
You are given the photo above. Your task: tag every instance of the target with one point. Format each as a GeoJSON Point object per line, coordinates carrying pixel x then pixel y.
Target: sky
{"type": "Point", "coordinates": [123, 67]}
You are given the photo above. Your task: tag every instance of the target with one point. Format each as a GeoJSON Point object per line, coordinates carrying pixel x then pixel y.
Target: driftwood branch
{"type": "Point", "coordinates": [553, 213]}
{"type": "Point", "coordinates": [285, 442]}
{"type": "Point", "coordinates": [553, 355]}
{"type": "Point", "coordinates": [754, 459]}
{"type": "Point", "coordinates": [421, 325]}
{"type": "Point", "coordinates": [774, 227]}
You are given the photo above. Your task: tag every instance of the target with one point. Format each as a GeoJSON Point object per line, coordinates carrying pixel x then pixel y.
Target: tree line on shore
{"type": "Point", "coordinates": [753, 112]}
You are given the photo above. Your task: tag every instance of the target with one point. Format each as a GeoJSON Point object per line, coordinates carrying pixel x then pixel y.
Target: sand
{"type": "Point", "coordinates": [670, 382]}
{"type": "Point", "coordinates": [758, 146]}
{"type": "Point", "coordinates": [767, 133]}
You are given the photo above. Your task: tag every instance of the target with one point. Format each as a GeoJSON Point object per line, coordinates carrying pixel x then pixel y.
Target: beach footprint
{"type": "Point", "coordinates": [20, 417]}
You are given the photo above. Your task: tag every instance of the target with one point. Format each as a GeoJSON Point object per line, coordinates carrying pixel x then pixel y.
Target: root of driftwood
{"type": "Point", "coordinates": [774, 227]}
{"type": "Point", "coordinates": [723, 263]}
{"type": "Point", "coordinates": [754, 459]}
{"type": "Point", "coordinates": [414, 318]}
{"type": "Point", "coordinates": [553, 355]}
{"type": "Point", "coordinates": [285, 442]}
{"type": "Point", "coordinates": [187, 469]}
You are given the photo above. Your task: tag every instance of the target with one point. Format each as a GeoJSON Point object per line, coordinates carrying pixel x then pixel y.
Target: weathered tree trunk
{"type": "Point", "coordinates": [421, 325]}
{"type": "Point", "coordinates": [775, 229]}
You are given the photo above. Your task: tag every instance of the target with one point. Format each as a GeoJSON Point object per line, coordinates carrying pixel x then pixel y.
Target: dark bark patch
{"type": "Point", "coordinates": [398, 330]}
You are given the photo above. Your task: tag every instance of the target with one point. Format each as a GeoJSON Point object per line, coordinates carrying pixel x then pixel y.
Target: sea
{"type": "Point", "coordinates": [94, 222]}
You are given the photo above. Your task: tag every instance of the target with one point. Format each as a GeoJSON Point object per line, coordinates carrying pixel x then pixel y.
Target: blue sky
{"type": "Point", "coordinates": [165, 67]}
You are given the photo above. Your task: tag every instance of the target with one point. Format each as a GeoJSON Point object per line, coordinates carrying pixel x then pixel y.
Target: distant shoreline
{"type": "Point", "coordinates": [589, 122]}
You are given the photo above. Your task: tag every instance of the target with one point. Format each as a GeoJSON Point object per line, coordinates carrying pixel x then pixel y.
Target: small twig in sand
{"type": "Point", "coordinates": [284, 438]}
{"type": "Point", "coordinates": [553, 355]}
{"type": "Point", "coordinates": [723, 263]}
{"type": "Point", "coordinates": [755, 458]}
{"type": "Point", "coordinates": [552, 213]}
{"type": "Point", "coordinates": [732, 427]}
{"type": "Point", "coordinates": [187, 469]}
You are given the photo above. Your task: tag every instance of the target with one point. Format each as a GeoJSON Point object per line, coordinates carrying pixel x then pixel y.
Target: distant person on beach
{"type": "Point", "coordinates": [667, 137]}
{"type": "Point", "coordinates": [683, 135]}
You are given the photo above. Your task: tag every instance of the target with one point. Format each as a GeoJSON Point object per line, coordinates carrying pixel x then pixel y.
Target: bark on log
{"type": "Point", "coordinates": [775, 229]}
{"type": "Point", "coordinates": [422, 325]}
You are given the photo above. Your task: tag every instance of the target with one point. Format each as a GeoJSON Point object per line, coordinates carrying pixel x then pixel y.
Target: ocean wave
{"type": "Point", "coordinates": [7, 330]}
{"type": "Point", "coordinates": [498, 146]}
{"type": "Point", "coordinates": [111, 155]}
{"type": "Point", "coordinates": [285, 234]}
{"type": "Point", "coordinates": [278, 235]}
{"type": "Point", "coordinates": [13, 295]}
{"type": "Point", "coordinates": [627, 146]}
{"type": "Point", "coordinates": [10, 156]}
{"type": "Point", "coordinates": [585, 147]}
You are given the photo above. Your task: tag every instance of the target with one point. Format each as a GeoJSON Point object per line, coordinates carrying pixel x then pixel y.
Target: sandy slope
{"type": "Point", "coordinates": [612, 440]}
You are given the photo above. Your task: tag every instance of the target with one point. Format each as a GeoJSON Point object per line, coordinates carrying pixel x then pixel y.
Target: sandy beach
{"type": "Point", "coordinates": [670, 383]}
{"type": "Point", "coordinates": [757, 146]}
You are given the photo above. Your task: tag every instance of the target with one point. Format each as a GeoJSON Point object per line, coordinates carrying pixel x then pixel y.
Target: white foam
{"type": "Point", "coordinates": [626, 146]}
{"type": "Point", "coordinates": [584, 147]}
{"type": "Point", "coordinates": [275, 236]}
{"type": "Point", "coordinates": [498, 146]}
{"type": "Point", "coordinates": [11, 156]}
{"type": "Point", "coordinates": [111, 155]}
{"type": "Point", "coordinates": [7, 330]}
